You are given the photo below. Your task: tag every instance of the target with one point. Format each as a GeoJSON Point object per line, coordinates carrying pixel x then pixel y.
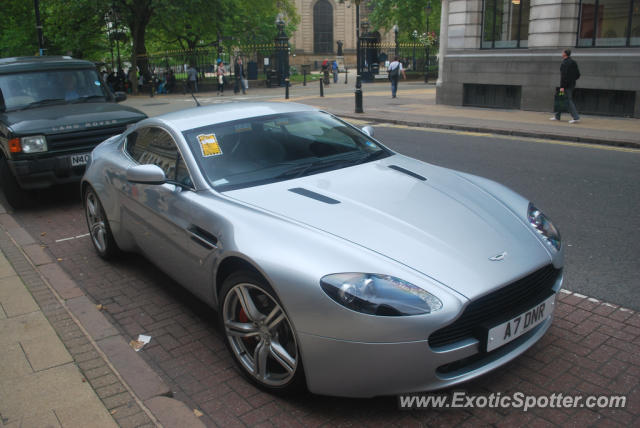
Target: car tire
{"type": "Point", "coordinates": [16, 196]}
{"type": "Point", "coordinates": [259, 334]}
{"type": "Point", "coordinates": [99, 229]}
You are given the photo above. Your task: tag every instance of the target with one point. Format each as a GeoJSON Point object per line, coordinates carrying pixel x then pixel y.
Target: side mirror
{"type": "Point", "coordinates": [368, 130]}
{"type": "Point", "coordinates": [120, 96]}
{"type": "Point", "coordinates": [146, 174]}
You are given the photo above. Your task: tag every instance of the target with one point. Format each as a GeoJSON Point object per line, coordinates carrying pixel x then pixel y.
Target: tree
{"type": "Point", "coordinates": [409, 15]}
{"type": "Point", "coordinates": [18, 29]}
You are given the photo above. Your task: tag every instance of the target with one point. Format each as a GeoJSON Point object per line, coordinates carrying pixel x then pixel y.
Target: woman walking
{"type": "Point", "coordinates": [220, 75]}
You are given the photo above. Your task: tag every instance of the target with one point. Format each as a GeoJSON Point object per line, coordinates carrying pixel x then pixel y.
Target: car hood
{"type": "Point", "coordinates": [58, 118]}
{"type": "Point", "coordinates": [444, 227]}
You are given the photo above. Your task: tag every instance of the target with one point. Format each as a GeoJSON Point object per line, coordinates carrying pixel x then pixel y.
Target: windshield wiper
{"type": "Point", "coordinates": [371, 157]}
{"type": "Point", "coordinates": [86, 98]}
{"type": "Point", "coordinates": [42, 103]}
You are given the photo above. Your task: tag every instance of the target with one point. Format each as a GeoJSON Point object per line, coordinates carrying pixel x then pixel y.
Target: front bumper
{"type": "Point", "coordinates": [43, 172]}
{"type": "Point", "coordinates": [357, 369]}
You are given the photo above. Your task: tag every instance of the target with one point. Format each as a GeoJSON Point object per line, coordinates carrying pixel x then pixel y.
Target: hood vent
{"type": "Point", "coordinates": [314, 195]}
{"type": "Point", "coordinates": [406, 171]}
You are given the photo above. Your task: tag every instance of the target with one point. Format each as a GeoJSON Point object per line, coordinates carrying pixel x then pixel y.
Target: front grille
{"type": "Point", "coordinates": [85, 139]}
{"type": "Point", "coordinates": [499, 305]}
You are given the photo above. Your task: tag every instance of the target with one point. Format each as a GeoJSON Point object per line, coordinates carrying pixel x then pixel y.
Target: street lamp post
{"type": "Point", "coordinates": [395, 32]}
{"type": "Point", "coordinates": [358, 38]}
{"type": "Point", "coordinates": [427, 12]}
{"type": "Point", "coordinates": [282, 49]}
{"type": "Point", "coordinates": [36, 5]}
{"type": "Point", "coordinates": [366, 64]}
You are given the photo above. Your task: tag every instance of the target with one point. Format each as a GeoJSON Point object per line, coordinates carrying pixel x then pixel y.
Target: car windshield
{"type": "Point", "coordinates": [266, 149]}
{"type": "Point", "coordinates": [33, 89]}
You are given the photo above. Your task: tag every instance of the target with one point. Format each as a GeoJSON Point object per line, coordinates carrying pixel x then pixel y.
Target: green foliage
{"type": "Point", "coordinates": [80, 27]}
{"type": "Point", "coordinates": [409, 15]}
{"type": "Point", "coordinates": [18, 35]}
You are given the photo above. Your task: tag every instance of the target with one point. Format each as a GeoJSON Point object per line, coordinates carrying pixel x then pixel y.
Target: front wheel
{"type": "Point", "coordinates": [99, 229]}
{"type": "Point", "coordinates": [259, 334]}
{"type": "Point", "coordinates": [16, 196]}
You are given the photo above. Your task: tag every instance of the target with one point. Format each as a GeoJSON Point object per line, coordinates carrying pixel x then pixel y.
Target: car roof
{"type": "Point", "coordinates": [198, 117]}
{"type": "Point", "coordinates": [36, 63]}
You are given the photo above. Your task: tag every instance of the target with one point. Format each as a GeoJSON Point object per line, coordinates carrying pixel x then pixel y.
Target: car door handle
{"type": "Point", "coordinates": [202, 237]}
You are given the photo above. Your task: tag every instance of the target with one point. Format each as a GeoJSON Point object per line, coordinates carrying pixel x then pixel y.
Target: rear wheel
{"type": "Point", "coordinates": [16, 195]}
{"type": "Point", "coordinates": [259, 334]}
{"type": "Point", "coordinates": [99, 229]}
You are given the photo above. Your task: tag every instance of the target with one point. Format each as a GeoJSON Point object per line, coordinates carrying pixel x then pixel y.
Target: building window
{"type": "Point", "coordinates": [605, 23]}
{"type": "Point", "coordinates": [505, 24]}
{"type": "Point", "coordinates": [323, 27]}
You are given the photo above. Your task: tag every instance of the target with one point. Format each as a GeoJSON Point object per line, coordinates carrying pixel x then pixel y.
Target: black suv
{"type": "Point", "coordinates": [53, 112]}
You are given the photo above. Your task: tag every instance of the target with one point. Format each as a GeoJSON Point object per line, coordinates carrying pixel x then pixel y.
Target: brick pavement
{"type": "Point", "coordinates": [592, 348]}
{"type": "Point", "coordinates": [117, 399]}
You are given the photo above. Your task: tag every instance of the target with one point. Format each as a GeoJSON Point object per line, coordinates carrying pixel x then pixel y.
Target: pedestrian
{"type": "Point", "coordinates": [569, 73]}
{"type": "Point", "coordinates": [171, 82]}
{"type": "Point", "coordinates": [192, 78]}
{"type": "Point", "coordinates": [241, 78]}
{"type": "Point", "coordinates": [395, 70]}
{"type": "Point", "coordinates": [334, 70]}
{"type": "Point", "coordinates": [220, 75]}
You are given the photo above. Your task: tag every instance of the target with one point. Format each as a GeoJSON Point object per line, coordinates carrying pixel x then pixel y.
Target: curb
{"type": "Point", "coordinates": [513, 132]}
{"type": "Point", "coordinates": [149, 390]}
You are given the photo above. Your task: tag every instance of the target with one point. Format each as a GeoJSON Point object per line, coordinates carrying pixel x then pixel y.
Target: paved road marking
{"type": "Point", "coordinates": [72, 237]}
{"type": "Point", "coordinates": [512, 137]}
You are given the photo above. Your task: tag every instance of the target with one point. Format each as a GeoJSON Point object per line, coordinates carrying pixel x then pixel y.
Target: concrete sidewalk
{"type": "Point", "coordinates": [40, 384]}
{"type": "Point", "coordinates": [62, 363]}
{"type": "Point", "coordinates": [416, 106]}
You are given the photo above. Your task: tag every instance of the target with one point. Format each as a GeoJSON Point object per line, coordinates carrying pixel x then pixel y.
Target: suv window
{"type": "Point", "coordinates": [39, 87]}
{"type": "Point", "coordinates": [155, 146]}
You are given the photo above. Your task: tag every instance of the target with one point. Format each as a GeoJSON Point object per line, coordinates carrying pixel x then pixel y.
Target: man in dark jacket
{"type": "Point", "coordinates": [569, 73]}
{"type": "Point", "coordinates": [241, 78]}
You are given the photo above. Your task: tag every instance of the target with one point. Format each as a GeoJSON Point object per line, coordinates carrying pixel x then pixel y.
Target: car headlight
{"type": "Point", "coordinates": [376, 294]}
{"type": "Point", "coordinates": [34, 144]}
{"type": "Point", "coordinates": [544, 227]}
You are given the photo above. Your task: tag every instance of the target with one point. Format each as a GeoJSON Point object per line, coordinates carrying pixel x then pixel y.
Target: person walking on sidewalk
{"type": "Point", "coordinates": [395, 69]}
{"type": "Point", "coordinates": [241, 78]}
{"type": "Point", "coordinates": [220, 76]}
{"type": "Point", "coordinates": [569, 73]}
{"type": "Point", "coordinates": [192, 79]}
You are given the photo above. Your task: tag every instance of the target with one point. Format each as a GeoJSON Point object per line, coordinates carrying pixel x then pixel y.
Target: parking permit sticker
{"type": "Point", "coordinates": [209, 145]}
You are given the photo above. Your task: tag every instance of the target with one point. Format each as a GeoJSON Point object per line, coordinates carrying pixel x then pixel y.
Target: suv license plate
{"type": "Point", "coordinates": [516, 327]}
{"type": "Point", "coordinates": [79, 160]}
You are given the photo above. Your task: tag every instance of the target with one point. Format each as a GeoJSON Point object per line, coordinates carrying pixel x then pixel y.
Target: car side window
{"type": "Point", "coordinates": [155, 146]}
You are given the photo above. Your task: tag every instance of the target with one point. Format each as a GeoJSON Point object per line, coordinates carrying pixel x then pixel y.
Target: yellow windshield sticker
{"type": "Point", "coordinates": [209, 145]}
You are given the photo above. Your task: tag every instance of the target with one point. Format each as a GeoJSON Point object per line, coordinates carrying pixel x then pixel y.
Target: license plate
{"type": "Point", "coordinates": [78, 160]}
{"type": "Point", "coordinates": [516, 327]}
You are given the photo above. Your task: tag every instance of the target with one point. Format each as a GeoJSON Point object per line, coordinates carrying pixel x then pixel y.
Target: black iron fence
{"type": "Point", "coordinates": [416, 58]}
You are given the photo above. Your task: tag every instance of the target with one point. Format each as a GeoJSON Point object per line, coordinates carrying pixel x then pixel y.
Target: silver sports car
{"type": "Point", "coordinates": [333, 262]}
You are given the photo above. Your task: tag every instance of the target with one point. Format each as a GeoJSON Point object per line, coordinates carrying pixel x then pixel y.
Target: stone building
{"type": "Point", "coordinates": [506, 53]}
{"type": "Point", "coordinates": [322, 24]}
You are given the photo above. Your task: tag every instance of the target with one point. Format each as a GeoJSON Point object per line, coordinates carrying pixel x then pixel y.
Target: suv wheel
{"type": "Point", "coordinates": [16, 196]}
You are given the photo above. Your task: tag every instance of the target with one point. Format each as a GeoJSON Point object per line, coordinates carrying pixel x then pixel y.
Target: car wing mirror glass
{"type": "Point", "coordinates": [146, 174]}
{"type": "Point", "coordinates": [368, 130]}
{"type": "Point", "coordinates": [120, 96]}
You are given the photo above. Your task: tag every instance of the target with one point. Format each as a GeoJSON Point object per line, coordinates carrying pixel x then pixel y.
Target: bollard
{"type": "Point", "coordinates": [286, 90]}
{"type": "Point", "coordinates": [358, 95]}
{"type": "Point", "coordinates": [304, 76]}
{"type": "Point", "coordinates": [321, 88]}
{"type": "Point", "coordinates": [346, 74]}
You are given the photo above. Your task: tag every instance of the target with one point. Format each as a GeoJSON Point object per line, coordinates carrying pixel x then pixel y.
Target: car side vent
{"type": "Point", "coordinates": [406, 171]}
{"type": "Point", "coordinates": [314, 195]}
